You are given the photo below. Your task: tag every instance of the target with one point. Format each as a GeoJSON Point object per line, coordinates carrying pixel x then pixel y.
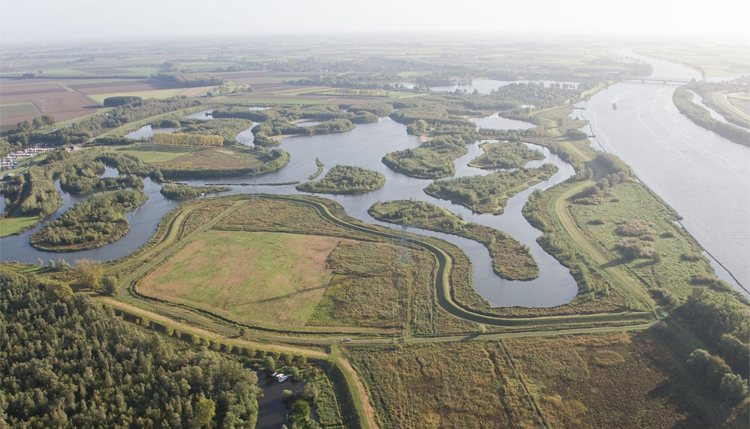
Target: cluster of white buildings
{"type": "Point", "coordinates": [9, 161]}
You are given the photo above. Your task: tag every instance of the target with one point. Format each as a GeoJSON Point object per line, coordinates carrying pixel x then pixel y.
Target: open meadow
{"type": "Point", "coordinates": [601, 380]}
{"type": "Point", "coordinates": [267, 278]}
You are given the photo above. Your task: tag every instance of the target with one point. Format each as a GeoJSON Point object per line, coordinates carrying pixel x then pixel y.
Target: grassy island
{"type": "Point", "coordinates": [190, 162]}
{"type": "Point", "coordinates": [431, 160]}
{"type": "Point", "coordinates": [179, 192]}
{"type": "Point", "coordinates": [505, 155]}
{"type": "Point", "coordinates": [510, 259]}
{"type": "Point", "coordinates": [345, 180]}
{"type": "Point", "coordinates": [90, 224]}
{"type": "Point", "coordinates": [490, 193]}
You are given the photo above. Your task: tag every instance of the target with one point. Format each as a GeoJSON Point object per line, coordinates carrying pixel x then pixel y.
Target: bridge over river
{"type": "Point", "coordinates": [653, 79]}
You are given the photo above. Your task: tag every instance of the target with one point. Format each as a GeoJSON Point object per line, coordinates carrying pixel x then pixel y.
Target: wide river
{"type": "Point", "coordinates": [702, 175]}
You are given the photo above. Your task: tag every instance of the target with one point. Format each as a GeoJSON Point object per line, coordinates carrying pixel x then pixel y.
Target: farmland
{"type": "Point", "coordinates": [44, 98]}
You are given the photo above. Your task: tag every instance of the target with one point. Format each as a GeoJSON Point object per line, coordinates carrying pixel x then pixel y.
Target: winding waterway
{"type": "Point", "coordinates": [363, 147]}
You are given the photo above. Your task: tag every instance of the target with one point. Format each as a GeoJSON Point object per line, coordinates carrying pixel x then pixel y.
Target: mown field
{"type": "Point", "coordinates": [358, 281]}
{"type": "Point", "coordinates": [18, 109]}
{"type": "Point", "coordinates": [250, 277]}
{"type": "Point", "coordinates": [171, 157]}
{"type": "Point", "coordinates": [603, 380]}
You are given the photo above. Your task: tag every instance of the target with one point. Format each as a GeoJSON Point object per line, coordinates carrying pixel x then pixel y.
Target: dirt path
{"type": "Point", "coordinates": [562, 208]}
{"type": "Point", "coordinates": [360, 393]}
{"type": "Point", "coordinates": [202, 332]}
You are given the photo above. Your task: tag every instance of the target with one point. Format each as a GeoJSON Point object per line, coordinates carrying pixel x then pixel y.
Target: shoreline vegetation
{"type": "Point", "coordinates": [321, 166]}
{"type": "Point", "coordinates": [345, 180]}
{"type": "Point", "coordinates": [510, 259]}
{"type": "Point", "coordinates": [682, 99]}
{"type": "Point", "coordinates": [91, 224]}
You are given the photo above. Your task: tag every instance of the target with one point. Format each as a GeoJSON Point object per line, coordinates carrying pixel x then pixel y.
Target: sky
{"type": "Point", "coordinates": [45, 21]}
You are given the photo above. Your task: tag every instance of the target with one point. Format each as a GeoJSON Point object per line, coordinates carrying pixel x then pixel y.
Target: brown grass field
{"type": "Point", "coordinates": [617, 380]}
{"type": "Point", "coordinates": [368, 290]}
{"type": "Point", "coordinates": [169, 157]}
{"type": "Point", "coordinates": [251, 277]}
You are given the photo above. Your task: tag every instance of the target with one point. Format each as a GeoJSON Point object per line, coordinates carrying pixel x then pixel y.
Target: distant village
{"type": "Point", "coordinates": [11, 160]}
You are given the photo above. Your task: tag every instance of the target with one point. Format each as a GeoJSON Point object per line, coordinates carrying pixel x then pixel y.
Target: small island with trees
{"type": "Point", "coordinates": [505, 155]}
{"type": "Point", "coordinates": [490, 193]}
{"type": "Point", "coordinates": [345, 180]}
{"type": "Point", "coordinates": [90, 224]}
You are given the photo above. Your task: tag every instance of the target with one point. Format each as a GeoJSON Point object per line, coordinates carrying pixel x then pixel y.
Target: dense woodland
{"type": "Point", "coordinates": [121, 100]}
{"type": "Point", "coordinates": [90, 224]}
{"type": "Point", "coordinates": [34, 192]}
{"type": "Point", "coordinates": [343, 179]}
{"type": "Point", "coordinates": [65, 362]}
{"type": "Point", "coordinates": [226, 128]}
{"type": "Point", "coordinates": [189, 79]}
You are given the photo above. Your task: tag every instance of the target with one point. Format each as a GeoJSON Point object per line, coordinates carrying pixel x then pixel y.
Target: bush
{"type": "Point", "coordinates": [109, 284]}
{"type": "Point", "coordinates": [121, 100]}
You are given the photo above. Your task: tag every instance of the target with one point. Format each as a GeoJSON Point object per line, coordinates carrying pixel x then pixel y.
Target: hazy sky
{"type": "Point", "coordinates": [49, 21]}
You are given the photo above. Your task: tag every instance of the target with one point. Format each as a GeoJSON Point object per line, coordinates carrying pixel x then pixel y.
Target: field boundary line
{"type": "Point", "coordinates": [79, 93]}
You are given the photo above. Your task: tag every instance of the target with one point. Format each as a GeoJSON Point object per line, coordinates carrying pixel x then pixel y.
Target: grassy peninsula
{"type": "Point", "coordinates": [90, 224]}
{"type": "Point", "coordinates": [510, 259]}
{"type": "Point", "coordinates": [489, 194]}
{"type": "Point", "coordinates": [505, 155]}
{"type": "Point", "coordinates": [345, 180]}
